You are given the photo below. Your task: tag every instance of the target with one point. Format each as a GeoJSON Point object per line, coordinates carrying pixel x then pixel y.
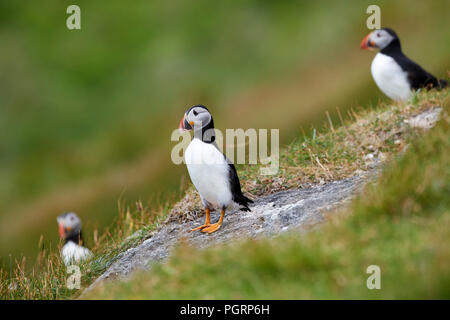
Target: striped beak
{"type": "Point", "coordinates": [62, 232]}
{"type": "Point", "coordinates": [367, 44]}
{"type": "Point", "coordinates": [184, 125]}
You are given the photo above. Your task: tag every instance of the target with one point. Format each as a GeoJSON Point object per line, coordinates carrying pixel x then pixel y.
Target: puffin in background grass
{"type": "Point", "coordinates": [394, 73]}
{"type": "Point", "coordinates": [213, 175]}
{"type": "Point", "coordinates": [70, 231]}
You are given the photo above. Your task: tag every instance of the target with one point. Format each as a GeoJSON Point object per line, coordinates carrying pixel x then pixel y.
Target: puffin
{"type": "Point", "coordinates": [70, 231]}
{"type": "Point", "coordinates": [394, 73]}
{"type": "Point", "coordinates": [211, 172]}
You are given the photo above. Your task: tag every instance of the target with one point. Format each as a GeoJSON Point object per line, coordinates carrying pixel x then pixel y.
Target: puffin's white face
{"type": "Point", "coordinates": [69, 224]}
{"type": "Point", "coordinates": [195, 118]}
{"type": "Point", "coordinates": [377, 39]}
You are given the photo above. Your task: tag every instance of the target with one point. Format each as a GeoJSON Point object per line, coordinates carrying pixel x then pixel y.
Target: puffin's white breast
{"type": "Point", "coordinates": [209, 172]}
{"type": "Point", "coordinates": [74, 253]}
{"type": "Point", "coordinates": [390, 77]}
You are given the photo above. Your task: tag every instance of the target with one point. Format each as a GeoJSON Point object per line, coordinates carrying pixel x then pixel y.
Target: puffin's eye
{"type": "Point", "coordinates": [195, 113]}
{"type": "Point", "coordinates": [378, 35]}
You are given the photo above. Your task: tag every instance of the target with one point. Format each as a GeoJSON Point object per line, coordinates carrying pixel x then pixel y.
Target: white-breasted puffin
{"type": "Point", "coordinates": [70, 230]}
{"type": "Point", "coordinates": [213, 175]}
{"type": "Point", "coordinates": [394, 73]}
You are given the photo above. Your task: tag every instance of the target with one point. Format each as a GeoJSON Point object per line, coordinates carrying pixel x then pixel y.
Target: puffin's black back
{"type": "Point", "coordinates": [417, 76]}
{"type": "Point", "coordinates": [236, 191]}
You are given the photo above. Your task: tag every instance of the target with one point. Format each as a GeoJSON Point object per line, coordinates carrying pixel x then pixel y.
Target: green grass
{"type": "Point", "coordinates": [399, 223]}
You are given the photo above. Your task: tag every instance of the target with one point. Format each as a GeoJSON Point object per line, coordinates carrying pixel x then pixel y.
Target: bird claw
{"type": "Point", "coordinates": [201, 227]}
{"type": "Point", "coordinates": [212, 228]}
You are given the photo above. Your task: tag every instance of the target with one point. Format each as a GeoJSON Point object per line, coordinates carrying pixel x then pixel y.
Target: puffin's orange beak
{"type": "Point", "coordinates": [366, 44]}
{"type": "Point", "coordinates": [62, 232]}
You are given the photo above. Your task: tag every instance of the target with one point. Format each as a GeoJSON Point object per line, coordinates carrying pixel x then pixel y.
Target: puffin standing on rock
{"type": "Point", "coordinates": [70, 230]}
{"type": "Point", "coordinates": [213, 175]}
{"type": "Point", "coordinates": [394, 73]}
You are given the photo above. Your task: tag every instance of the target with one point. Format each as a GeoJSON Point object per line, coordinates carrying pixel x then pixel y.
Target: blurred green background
{"type": "Point", "coordinates": [86, 115]}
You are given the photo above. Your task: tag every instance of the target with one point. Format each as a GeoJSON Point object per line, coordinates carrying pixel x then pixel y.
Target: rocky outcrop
{"type": "Point", "coordinates": [270, 215]}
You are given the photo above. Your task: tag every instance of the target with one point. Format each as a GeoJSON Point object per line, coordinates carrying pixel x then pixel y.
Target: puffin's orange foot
{"type": "Point", "coordinates": [207, 224]}
{"type": "Point", "coordinates": [212, 228]}
{"type": "Point", "coordinates": [201, 227]}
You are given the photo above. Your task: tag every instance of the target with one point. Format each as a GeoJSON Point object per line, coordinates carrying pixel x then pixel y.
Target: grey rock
{"type": "Point", "coordinates": [270, 215]}
{"type": "Point", "coordinates": [426, 119]}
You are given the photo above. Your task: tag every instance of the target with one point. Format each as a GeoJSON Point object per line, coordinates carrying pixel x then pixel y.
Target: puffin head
{"type": "Point", "coordinates": [196, 118]}
{"type": "Point", "coordinates": [69, 225]}
{"type": "Point", "coordinates": [379, 39]}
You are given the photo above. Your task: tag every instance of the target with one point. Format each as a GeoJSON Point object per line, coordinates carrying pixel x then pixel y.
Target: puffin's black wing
{"type": "Point", "coordinates": [417, 76]}
{"type": "Point", "coordinates": [235, 185]}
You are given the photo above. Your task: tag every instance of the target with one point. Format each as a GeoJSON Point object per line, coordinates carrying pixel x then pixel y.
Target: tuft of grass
{"type": "Point", "coordinates": [46, 278]}
{"type": "Point", "coordinates": [400, 223]}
